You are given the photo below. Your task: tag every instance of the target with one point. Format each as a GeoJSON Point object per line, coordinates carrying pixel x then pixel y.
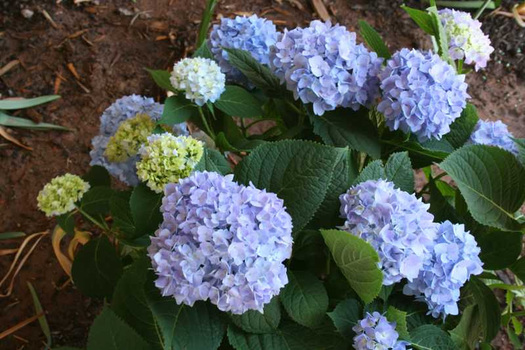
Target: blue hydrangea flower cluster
{"type": "Point", "coordinates": [422, 94]}
{"type": "Point", "coordinates": [123, 109]}
{"type": "Point", "coordinates": [322, 64]}
{"type": "Point", "coordinates": [253, 34]}
{"type": "Point", "coordinates": [455, 257]}
{"type": "Point", "coordinates": [493, 134]}
{"type": "Point", "coordinates": [466, 39]}
{"type": "Point", "coordinates": [221, 241]}
{"type": "Point", "coordinates": [394, 222]}
{"type": "Point", "coordinates": [375, 332]}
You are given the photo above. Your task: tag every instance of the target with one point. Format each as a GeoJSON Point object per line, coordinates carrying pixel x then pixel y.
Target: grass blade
{"type": "Point", "coordinates": [42, 319]}
{"type": "Point", "coordinates": [205, 22]}
{"type": "Point", "coordinates": [21, 103]}
{"type": "Point", "coordinates": [11, 235]}
{"type": "Point", "coordinates": [16, 122]}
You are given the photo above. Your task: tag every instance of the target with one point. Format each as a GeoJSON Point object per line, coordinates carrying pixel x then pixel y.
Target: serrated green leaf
{"type": "Point", "coordinates": [97, 268]}
{"type": "Point", "coordinates": [487, 305]}
{"type": "Point", "coordinates": [258, 74]}
{"type": "Point", "coordinates": [304, 298]}
{"type": "Point", "coordinates": [400, 318]}
{"type": "Point", "coordinates": [95, 202]}
{"type": "Point", "coordinates": [346, 315]}
{"type": "Point", "coordinates": [398, 169]}
{"type": "Point", "coordinates": [177, 109]}
{"type": "Point", "coordinates": [518, 268]}
{"type": "Point", "coordinates": [22, 103]}
{"type": "Point", "coordinates": [422, 19]}
{"type": "Point", "coordinates": [429, 337]}
{"type": "Point", "coordinates": [498, 249]}
{"type": "Point", "coordinates": [492, 182]}
{"type": "Point", "coordinates": [520, 143]}
{"type": "Point", "coordinates": [67, 222]}
{"type": "Point", "coordinates": [213, 160]}
{"type": "Point", "coordinates": [16, 122]}
{"type": "Point", "coordinates": [346, 128]}
{"type": "Point", "coordinates": [97, 176]}
{"type": "Point", "coordinates": [237, 102]}
{"type": "Point", "coordinates": [306, 246]}
{"type": "Point", "coordinates": [373, 171]}
{"type": "Point", "coordinates": [145, 209]}
{"type": "Point", "coordinates": [299, 172]}
{"type": "Point", "coordinates": [203, 51]}
{"type": "Point", "coordinates": [439, 206]}
{"type": "Point", "coordinates": [466, 335]}
{"type": "Point", "coordinates": [240, 340]}
{"type": "Point", "coordinates": [109, 332]}
{"type": "Point", "coordinates": [255, 322]}
{"type": "Point", "coordinates": [161, 77]}
{"type": "Point", "coordinates": [462, 128]}
{"type": "Point", "coordinates": [373, 39]}
{"type": "Point", "coordinates": [120, 209]}
{"type": "Point", "coordinates": [357, 260]}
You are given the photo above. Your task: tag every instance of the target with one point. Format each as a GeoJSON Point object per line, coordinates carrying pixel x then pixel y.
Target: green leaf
{"type": "Point", "coordinates": [487, 305]}
{"type": "Point", "coordinates": [520, 143]}
{"type": "Point", "coordinates": [95, 201]}
{"type": "Point", "coordinates": [255, 322]}
{"type": "Point", "coordinates": [67, 222]}
{"type": "Point", "coordinates": [398, 169]}
{"type": "Point", "coordinates": [357, 260]}
{"type": "Point", "coordinates": [422, 19]}
{"type": "Point", "coordinates": [205, 22]}
{"type": "Point", "coordinates": [177, 109]}
{"type": "Point", "coordinates": [159, 320]}
{"type": "Point", "coordinates": [374, 40]}
{"type": "Point", "coordinates": [16, 122]}
{"type": "Point", "coordinates": [42, 320]}
{"type": "Point", "coordinates": [11, 235]}
{"type": "Point", "coordinates": [345, 128]}
{"type": "Point", "coordinates": [462, 128]}
{"type": "Point", "coordinates": [145, 209]}
{"type": "Point", "coordinates": [306, 246]}
{"type": "Point", "coordinates": [97, 268]}
{"type": "Point", "coordinates": [344, 174]}
{"type": "Point", "coordinates": [518, 268]}
{"type": "Point", "coordinates": [161, 77]}
{"type": "Point", "coordinates": [23, 103]}
{"type": "Point", "coordinates": [109, 332]}
{"type": "Point", "coordinates": [492, 182]}
{"type": "Point", "coordinates": [466, 335]}
{"type": "Point", "coordinates": [498, 249]}
{"type": "Point", "coordinates": [373, 171]}
{"type": "Point", "coordinates": [400, 318]}
{"type": "Point", "coordinates": [439, 205]}
{"type": "Point", "coordinates": [97, 176]}
{"type": "Point", "coordinates": [213, 160]}
{"type": "Point", "coordinates": [120, 209]}
{"type": "Point", "coordinates": [440, 35]}
{"type": "Point", "coordinates": [240, 340]}
{"type": "Point", "coordinates": [304, 298]}
{"type": "Point", "coordinates": [237, 102]}
{"type": "Point", "coordinates": [429, 337]}
{"type": "Point", "coordinates": [258, 74]}
{"type": "Point", "coordinates": [299, 172]}
{"type": "Point", "coordinates": [346, 315]}
{"type": "Point", "coordinates": [203, 51]}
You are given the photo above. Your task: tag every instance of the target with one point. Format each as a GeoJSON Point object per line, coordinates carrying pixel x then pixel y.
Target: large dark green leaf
{"type": "Point", "coordinates": [519, 268]}
{"type": "Point", "coordinates": [357, 260]}
{"type": "Point", "coordinates": [177, 109]}
{"type": "Point", "coordinates": [429, 337]}
{"type": "Point", "coordinates": [439, 206]}
{"type": "Point", "coordinates": [346, 315]}
{"type": "Point", "coordinates": [213, 160]}
{"type": "Point", "coordinates": [492, 181]}
{"type": "Point", "coordinates": [255, 322]}
{"type": "Point", "coordinates": [462, 128]}
{"type": "Point", "coordinates": [373, 171]}
{"type": "Point", "coordinates": [97, 176]}
{"type": "Point", "coordinates": [123, 222]}
{"type": "Point", "coordinates": [400, 318]}
{"type": "Point", "coordinates": [487, 304]}
{"type": "Point", "coordinates": [398, 169]}
{"type": "Point", "coordinates": [97, 268]}
{"type": "Point", "coordinates": [499, 249]}
{"type": "Point", "coordinates": [299, 172]}
{"type": "Point", "coordinates": [161, 78]}
{"type": "Point", "coordinates": [145, 209]}
{"type": "Point", "coordinates": [304, 298]}
{"type": "Point", "coordinates": [95, 201]}
{"type": "Point", "coordinates": [109, 332]}
{"type": "Point", "coordinates": [237, 102]}
{"type": "Point", "coordinates": [466, 335]}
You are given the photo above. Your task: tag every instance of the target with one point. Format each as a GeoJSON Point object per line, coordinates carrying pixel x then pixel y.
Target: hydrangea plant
{"type": "Point", "coordinates": [313, 233]}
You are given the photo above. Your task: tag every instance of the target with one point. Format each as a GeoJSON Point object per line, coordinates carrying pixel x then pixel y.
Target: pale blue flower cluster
{"type": "Point", "coordinates": [422, 94]}
{"type": "Point", "coordinates": [493, 134]}
{"type": "Point", "coordinates": [123, 109]}
{"type": "Point", "coordinates": [394, 222]}
{"type": "Point", "coordinates": [466, 40]}
{"type": "Point", "coordinates": [322, 64]}
{"type": "Point", "coordinates": [253, 34]}
{"type": "Point", "coordinates": [455, 257]}
{"type": "Point", "coordinates": [199, 78]}
{"type": "Point", "coordinates": [375, 332]}
{"type": "Point", "coordinates": [221, 241]}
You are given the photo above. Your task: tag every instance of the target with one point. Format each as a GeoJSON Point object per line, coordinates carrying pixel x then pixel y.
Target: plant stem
{"type": "Point", "coordinates": [206, 125]}
{"type": "Point", "coordinates": [460, 66]}
{"type": "Point", "coordinates": [481, 9]}
{"type": "Point", "coordinates": [104, 226]}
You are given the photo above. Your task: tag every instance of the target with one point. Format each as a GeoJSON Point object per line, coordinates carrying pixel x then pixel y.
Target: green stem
{"type": "Point", "coordinates": [481, 9]}
{"type": "Point", "coordinates": [460, 66]}
{"type": "Point", "coordinates": [206, 125]}
{"type": "Point", "coordinates": [104, 226]}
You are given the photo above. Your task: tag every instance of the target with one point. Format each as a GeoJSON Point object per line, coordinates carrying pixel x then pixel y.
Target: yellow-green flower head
{"type": "Point", "coordinates": [60, 194]}
{"type": "Point", "coordinates": [166, 158]}
{"type": "Point", "coordinates": [130, 135]}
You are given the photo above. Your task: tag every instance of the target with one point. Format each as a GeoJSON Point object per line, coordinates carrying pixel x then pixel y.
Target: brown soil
{"type": "Point", "coordinates": [109, 49]}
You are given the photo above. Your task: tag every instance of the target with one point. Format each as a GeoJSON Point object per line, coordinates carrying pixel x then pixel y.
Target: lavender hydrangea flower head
{"type": "Point", "coordinates": [422, 94]}
{"type": "Point", "coordinates": [394, 222]}
{"type": "Point", "coordinates": [493, 134]}
{"type": "Point", "coordinates": [375, 332]}
{"type": "Point", "coordinates": [455, 257]}
{"type": "Point", "coordinates": [199, 78]}
{"type": "Point", "coordinates": [322, 64]}
{"type": "Point", "coordinates": [124, 109]}
{"type": "Point", "coordinates": [253, 34]}
{"type": "Point", "coordinates": [221, 241]}
{"type": "Point", "coordinates": [466, 39]}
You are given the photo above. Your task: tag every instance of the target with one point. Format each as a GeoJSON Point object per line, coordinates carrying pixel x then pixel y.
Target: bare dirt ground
{"type": "Point", "coordinates": [108, 45]}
